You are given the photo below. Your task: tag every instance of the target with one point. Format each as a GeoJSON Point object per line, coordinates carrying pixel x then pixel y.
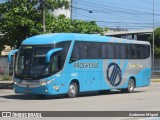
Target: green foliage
{"type": "Point", "coordinates": [6, 78]}
{"type": "Point", "coordinates": [75, 26]}
{"type": "Point", "coordinates": [156, 42]}
{"type": "Point", "coordinates": [157, 37]}
{"type": "Point", "coordinates": [157, 52]}
{"type": "Point", "coordinates": [20, 19]}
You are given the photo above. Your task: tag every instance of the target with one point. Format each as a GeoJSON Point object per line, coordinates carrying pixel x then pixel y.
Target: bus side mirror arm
{"type": "Point", "coordinates": [49, 53]}
{"type": "Point", "coordinates": [10, 55]}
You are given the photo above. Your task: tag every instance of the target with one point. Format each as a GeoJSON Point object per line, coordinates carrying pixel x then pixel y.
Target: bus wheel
{"type": "Point", "coordinates": [131, 86]}
{"type": "Point", "coordinates": [73, 90]}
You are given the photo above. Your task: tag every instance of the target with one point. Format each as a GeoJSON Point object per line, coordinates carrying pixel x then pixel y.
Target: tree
{"type": "Point", "coordinates": [156, 43]}
{"type": "Point", "coordinates": [62, 24]}
{"type": "Point", "coordinates": [20, 19]}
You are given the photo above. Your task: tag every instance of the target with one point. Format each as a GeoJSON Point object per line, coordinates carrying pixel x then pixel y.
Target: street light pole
{"type": "Point", "coordinates": [71, 5]}
{"type": "Point", "coordinates": [153, 44]}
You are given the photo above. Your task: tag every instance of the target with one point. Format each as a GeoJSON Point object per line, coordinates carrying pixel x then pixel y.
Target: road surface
{"type": "Point", "coordinates": [143, 99]}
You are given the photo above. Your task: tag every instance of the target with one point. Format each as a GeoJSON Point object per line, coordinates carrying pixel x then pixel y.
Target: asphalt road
{"type": "Point", "coordinates": [143, 99]}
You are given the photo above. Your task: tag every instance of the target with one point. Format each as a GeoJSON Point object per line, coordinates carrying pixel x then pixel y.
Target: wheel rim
{"type": "Point", "coordinates": [131, 85]}
{"type": "Point", "coordinates": [72, 90]}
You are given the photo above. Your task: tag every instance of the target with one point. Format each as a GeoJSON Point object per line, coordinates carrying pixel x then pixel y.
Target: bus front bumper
{"type": "Point", "coordinates": [48, 89]}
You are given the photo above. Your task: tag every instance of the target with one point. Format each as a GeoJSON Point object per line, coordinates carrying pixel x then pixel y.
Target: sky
{"type": "Point", "coordinates": [125, 14]}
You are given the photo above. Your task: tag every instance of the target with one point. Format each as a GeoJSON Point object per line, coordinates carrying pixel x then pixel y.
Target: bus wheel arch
{"type": "Point", "coordinates": [73, 88]}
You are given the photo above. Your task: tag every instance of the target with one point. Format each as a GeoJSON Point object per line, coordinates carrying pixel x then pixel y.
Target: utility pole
{"type": "Point", "coordinates": [43, 12]}
{"type": "Point", "coordinates": [153, 44]}
{"type": "Point", "coordinates": [71, 9]}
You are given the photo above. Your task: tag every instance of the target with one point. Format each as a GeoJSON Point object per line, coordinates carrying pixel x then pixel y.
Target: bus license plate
{"type": "Point", "coordinates": [27, 91]}
{"type": "Point", "coordinates": [26, 82]}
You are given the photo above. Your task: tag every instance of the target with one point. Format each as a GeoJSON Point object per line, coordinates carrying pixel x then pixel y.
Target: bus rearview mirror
{"type": "Point", "coordinates": [49, 53]}
{"type": "Point", "coordinates": [10, 55]}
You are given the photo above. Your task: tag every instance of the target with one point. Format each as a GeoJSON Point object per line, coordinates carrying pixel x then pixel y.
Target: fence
{"type": "Point", "coordinates": [5, 68]}
{"type": "Point", "coordinates": [156, 69]}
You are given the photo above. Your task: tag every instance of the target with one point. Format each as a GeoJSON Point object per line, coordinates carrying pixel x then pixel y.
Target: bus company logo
{"type": "Point", "coordinates": [114, 75]}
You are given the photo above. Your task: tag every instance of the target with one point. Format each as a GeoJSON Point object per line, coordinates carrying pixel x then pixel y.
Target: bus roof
{"type": "Point", "coordinates": [53, 38]}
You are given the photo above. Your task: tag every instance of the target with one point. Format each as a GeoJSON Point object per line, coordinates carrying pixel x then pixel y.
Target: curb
{"type": "Point", "coordinates": [155, 80]}
{"type": "Point", "coordinates": [6, 84]}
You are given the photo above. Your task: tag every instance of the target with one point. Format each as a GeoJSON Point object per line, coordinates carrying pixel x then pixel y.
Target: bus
{"type": "Point", "coordinates": [71, 63]}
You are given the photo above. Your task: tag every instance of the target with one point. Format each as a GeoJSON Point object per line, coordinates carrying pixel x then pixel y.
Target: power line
{"type": "Point", "coordinates": [98, 17]}
{"type": "Point", "coordinates": [87, 10]}
{"type": "Point", "coordinates": [114, 7]}
{"type": "Point", "coordinates": [84, 9]}
{"type": "Point", "coordinates": [112, 13]}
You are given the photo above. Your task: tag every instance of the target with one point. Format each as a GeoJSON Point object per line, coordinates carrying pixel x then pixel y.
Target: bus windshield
{"type": "Point", "coordinates": [31, 62]}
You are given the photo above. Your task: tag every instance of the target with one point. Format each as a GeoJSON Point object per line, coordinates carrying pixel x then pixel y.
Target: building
{"type": "Point", "coordinates": [134, 34]}
{"type": "Point", "coordinates": [6, 50]}
{"type": "Point", "coordinates": [60, 11]}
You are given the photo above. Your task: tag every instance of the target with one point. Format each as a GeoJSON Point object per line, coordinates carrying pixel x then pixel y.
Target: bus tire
{"type": "Point", "coordinates": [131, 86]}
{"type": "Point", "coordinates": [73, 90]}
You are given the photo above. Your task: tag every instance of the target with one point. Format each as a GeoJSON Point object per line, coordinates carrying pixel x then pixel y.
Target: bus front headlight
{"type": "Point", "coordinates": [46, 82]}
{"type": "Point", "coordinates": [15, 83]}
{"type": "Point", "coordinates": [16, 80]}
{"type": "Point", "coordinates": [43, 84]}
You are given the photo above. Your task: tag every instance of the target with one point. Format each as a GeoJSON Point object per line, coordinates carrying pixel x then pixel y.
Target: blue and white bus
{"type": "Point", "coordinates": [70, 63]}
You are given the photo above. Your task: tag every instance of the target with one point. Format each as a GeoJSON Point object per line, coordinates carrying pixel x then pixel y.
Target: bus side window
{"type": "Point", "coordinates": [56, 63]}
{"type": "Point", "coordinates": [146, 51]}
{"type": "Point", "coordinates": [132, 51]}
{"type": "Point", "coordinates": [123, 51]}
{"type": "Point", "coordinates": [138, 51]}
{"type": "Point", "coordinates": [117, 51]}
{"type": "Point", "coordinates": [83, 50]}
{"type": "Point", "coordinates": [94, 51]}
{"type": "Point", "coordinates": [79, 51]}
{"type": "Point", "coordinates": [128, 51]}
{"type": "Point", "coordinates": [111, 51]}
{"type": "Point", "coordinates": [104, 51]}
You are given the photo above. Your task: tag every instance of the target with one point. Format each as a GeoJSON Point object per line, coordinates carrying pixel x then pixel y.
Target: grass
{"type": "Point", "coordinates": [6, 78]}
